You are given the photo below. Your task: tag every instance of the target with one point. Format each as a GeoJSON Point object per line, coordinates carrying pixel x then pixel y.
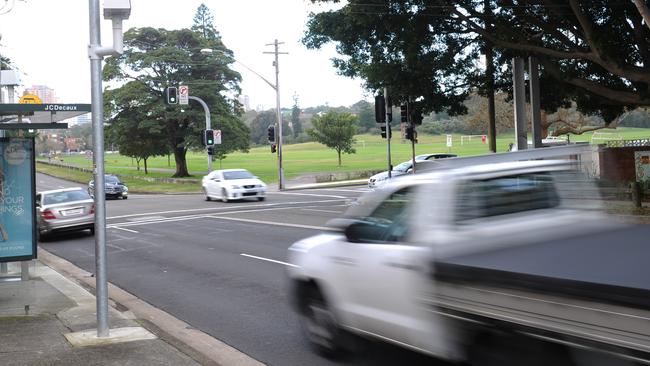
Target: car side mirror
{"type": "Point", "coordinates": [357, 231]}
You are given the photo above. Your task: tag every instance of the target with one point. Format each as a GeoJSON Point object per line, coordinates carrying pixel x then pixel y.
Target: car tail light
{"type": "Point", "coordinates": [48, 215]}
{"type": "Point", "coordinates": [92, 209]}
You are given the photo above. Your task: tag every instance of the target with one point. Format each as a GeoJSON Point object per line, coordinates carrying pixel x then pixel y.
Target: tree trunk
{"type": "Point", "coordinates": [137, 164]}
{"type": "Point", "coordinates": [339, 152]}
{"type": "Point", "coordinates": [181, 163]}
{"type": "Point", "coordinates": [145, 166]}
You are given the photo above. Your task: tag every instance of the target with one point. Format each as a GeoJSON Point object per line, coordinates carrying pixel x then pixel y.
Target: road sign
{"type": "Point", "coordinates": [217, 137]}
{"type": "Point", "coordinates": [449, 140]}
{"type": "Point", "coordinates": [183, 94]}
{"type": "Point", "coordinates": [30, 99]}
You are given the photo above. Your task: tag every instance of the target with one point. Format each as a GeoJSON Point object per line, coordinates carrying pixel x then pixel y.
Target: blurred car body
{"type": "Point", "coordinates": [68, 209]}
{"type": "Point", "coordinates": [232, 184]}
{"type": "Point", "coordinates": [404, 168]}
{"type": "Point", "coordinates": [113, 187]}
{"type": "Point", "coordinates": [380, 273]}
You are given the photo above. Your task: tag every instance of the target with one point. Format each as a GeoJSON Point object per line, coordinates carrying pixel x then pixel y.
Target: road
{"type": "Point", "coordinates": [219, 266]}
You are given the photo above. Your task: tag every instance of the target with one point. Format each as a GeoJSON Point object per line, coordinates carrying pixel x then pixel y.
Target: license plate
{"type": "Point", "coordinates": [76, 211]}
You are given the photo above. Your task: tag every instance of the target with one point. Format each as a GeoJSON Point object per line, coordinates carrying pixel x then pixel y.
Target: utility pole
{"type": "Point", "coordinates": [276, 63]}
{"type": "Point", "coordinates": [389, 112]}
{"type": "Point", "coordinates": [208, 125]}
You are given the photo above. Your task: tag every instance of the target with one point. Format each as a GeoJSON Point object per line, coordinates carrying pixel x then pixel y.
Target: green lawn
{"type": "Point", "coordinates": [316, 158]}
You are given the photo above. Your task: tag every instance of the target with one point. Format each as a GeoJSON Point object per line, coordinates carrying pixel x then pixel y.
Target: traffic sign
{"type": "Point", "coordinates": [217, 137]}
{"type": "Point", "coordinates": [183, 94]}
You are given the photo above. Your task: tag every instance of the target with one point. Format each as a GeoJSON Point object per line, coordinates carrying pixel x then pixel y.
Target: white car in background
{"type": "Point", "coordinates": [233, 184]}
{"type": "Point", "coordinates": [404, 168]}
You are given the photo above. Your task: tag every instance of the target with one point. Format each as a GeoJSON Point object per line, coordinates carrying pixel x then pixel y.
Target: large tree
{"type": "Point", "coordinates": [157, 58]}
{"type": "Point", "coordinates": [594, 52]}
{"type": "Point", "coordinates": [336, 131]}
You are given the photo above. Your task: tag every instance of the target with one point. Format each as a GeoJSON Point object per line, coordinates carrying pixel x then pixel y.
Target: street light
{"type": "Point", "coordinates": [275, 87]}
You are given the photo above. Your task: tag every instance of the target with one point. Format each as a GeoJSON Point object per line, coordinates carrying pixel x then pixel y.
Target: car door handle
{"type": "Point", "coordinates": [346, 261]}
{"type": "Point", "coordinates": [400, 265]}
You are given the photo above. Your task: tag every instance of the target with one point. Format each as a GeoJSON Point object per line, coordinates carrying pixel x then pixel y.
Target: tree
{"type": "Point", "coordinates": [204, 23]}
{"type": "Point", "coordinates": [259, 126]}
{"type": "Point", "coordinates": [336, 131]}
{"type": "Point", "coordinates": [156, 58]}
{"type": "Point", "coordinates": [295, 117]}
{"type": "Point", "coordinates": [593, 52]}
{"type": "Point", "coordinates": [366, 113]}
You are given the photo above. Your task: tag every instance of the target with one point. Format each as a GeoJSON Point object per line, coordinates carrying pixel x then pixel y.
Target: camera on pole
{"type": "Point", "coordinates": [171, 95]}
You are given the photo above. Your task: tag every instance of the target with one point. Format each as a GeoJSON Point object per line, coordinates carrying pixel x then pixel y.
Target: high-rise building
{"type": "Point", "coordinates": [245, 101]}
{"type": "Point", "coordinates": [46, 94]}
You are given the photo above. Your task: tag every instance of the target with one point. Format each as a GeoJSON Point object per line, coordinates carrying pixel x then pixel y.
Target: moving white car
{"type": "Point", "coordinates": [233, 184]}
{"type": "Point", "coordinates": [404, 168]}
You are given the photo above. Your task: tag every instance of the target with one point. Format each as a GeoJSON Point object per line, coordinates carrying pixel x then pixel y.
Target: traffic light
{"type": "Point", "coordinates": [271, 133]}
{"type": "Point", "coordinates": [404, 112]}
{"type": "Point", "coordinates": [209, 137]}
{"type": "Point", "coordinates": [210, 150]}
{"type": "Point", "coordinates": [411, 133]}
{"type": "Point", "coordinates": [383, 131]}
{"type": "Point", "coordinates": [273, 148]}
{"type": "Point", "coordinates": [171, 95]}
{"type": "Point", "coordinates": [389, 109]}
{"type": "Point", "coordinates": [416, 116]}
{"type": "Point", "coordinates": [380, 109]}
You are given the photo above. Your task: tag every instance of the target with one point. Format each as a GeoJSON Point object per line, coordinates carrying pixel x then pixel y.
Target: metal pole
{"type": "Point", "coordinates": [97, 110]}
{"type": "Point", "coordinates": [277, 107]}
{"type": "Point", "coordinates": [413, 149]}
{"type": "Point", "coordinates": [519, 103]}
{"type": "Point", "coordinates": [535, 113]}
{"type": "Point", "coordinates": [208, 125]}
{"type": "Point", "coordinates": [390, 165]}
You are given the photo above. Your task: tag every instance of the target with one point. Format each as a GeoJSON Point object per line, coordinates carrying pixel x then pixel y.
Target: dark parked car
{"type": "Point", "coordinates": [68, 209]}
{"type": "Point", "coordinates": [113, 187]}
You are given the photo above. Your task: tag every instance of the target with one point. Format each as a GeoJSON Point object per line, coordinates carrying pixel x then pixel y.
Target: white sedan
{"type": "Point", "coordinates": [232, 184]}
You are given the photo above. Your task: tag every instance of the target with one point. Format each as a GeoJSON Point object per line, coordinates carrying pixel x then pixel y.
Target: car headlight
{"type": "Point", "coordinates": [125, 188]}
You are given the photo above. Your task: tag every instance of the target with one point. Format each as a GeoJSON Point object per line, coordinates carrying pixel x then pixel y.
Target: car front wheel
{"type": "Point", "coordinates": [224, 195]}
{"type": "Point", "coordinates": [320, 326]}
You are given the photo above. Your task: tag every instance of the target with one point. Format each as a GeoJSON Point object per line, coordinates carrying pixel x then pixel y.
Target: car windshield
{"type": "Point", "coordinates": [111, 179]}
{"type": "Point", "coordinates": [403, 166]}
{"type": "Point", "coordinates": [65, 196]}
{"type": "Point", "coordinates": [237, 174]}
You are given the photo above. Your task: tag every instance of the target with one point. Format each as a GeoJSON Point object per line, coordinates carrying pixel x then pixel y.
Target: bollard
{"type": "Point", "coordinates": [636, 194]}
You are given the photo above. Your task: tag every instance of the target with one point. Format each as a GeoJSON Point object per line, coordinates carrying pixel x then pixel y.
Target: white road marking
{"type": "Point", "coordinates": [317, 210]}
{"type": "Point", "coordinates": [268, 260]}
{"type": "Point", "coordinates": [271, 223]}
{"type": "Point", "coordinates": [309, 194]}
{"type": "Point", "coordinates": [121, 228]}
{"type": "Point", "coordinates": [219, 208]}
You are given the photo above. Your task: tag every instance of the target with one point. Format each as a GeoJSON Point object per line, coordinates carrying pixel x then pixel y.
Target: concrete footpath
{"type": "Point", "coordinates": [51, 320]}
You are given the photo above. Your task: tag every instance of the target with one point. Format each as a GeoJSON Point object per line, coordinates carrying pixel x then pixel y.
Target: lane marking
{"type": "Point", "coordinates": [268, 260]}
{"type": "Point", "coordinates": [310, 227]}
{"type": "Point", "coordinates": [217, 208]}
{"type": "Point", "coordinates": [317, 210]}
{"type": "Point", "coordinates": [121, 228]}
{"type": "Point", "coordinates": [310, 194]}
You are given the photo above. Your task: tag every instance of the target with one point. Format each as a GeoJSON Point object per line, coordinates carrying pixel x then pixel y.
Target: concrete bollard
{"type": "Point", "coordinates": [636, 194]}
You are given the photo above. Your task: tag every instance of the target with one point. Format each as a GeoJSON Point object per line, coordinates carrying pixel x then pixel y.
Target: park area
{"type": "Point", "coordinates": [300, 159]}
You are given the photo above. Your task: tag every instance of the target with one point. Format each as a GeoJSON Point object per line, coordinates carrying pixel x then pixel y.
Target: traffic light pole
{"type": "Point", "coordinates": [390, 165]}
{"type": "Point", "coordinates": [207, 124]}
{"type": "Point", "coordinates": [276, 63]}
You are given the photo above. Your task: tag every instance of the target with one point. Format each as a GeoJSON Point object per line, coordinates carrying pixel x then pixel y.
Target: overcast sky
{"type": "Point", "coordinates": [47, 40]}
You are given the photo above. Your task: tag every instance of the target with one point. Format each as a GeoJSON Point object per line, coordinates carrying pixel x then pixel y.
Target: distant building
{"type": "Point", "coordinates": [47, 95]}
{"type": "Point", "coordinates": [245, 101]}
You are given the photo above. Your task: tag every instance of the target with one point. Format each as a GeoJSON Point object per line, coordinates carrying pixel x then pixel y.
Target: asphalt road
{"type": "Point", "coordinates": [220, 266]}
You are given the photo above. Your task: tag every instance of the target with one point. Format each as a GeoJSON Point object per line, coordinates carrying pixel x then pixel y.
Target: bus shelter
{"type": "Point", "coordinates": [17, 172]}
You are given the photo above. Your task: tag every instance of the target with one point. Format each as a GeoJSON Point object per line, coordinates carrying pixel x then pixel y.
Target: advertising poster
{"type": "Point", "coordinates": [642, 165]}
{"type": "Point", "coordinates": [17, 220]}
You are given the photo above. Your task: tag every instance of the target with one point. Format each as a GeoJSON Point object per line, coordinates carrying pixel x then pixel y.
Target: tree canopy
{"type": "Point", "coordinates": [336, 131]}
{"type": "Point", "coordinates": [154, 59]}
{"type": "Point", "coordinates": [593, 52]}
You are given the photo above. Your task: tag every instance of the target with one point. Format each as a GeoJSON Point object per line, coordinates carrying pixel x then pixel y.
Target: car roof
{"type": "Point", "coordinates": [61, 190]}
{"type": "Point", "coordinates": [231, 170]}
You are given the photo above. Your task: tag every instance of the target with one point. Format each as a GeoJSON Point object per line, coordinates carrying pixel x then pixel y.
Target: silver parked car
{"type": "Point", "coordinates": [404, 168]}
{"type": "Point", "coordinates": [67, 209]}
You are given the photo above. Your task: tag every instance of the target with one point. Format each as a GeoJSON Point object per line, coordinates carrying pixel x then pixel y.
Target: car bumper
{"type": "Point", "coordinates": [116, 194]}
{"type": "Point", "coordinates": [78, 223]}
{"type": "Point", "coordinates": [236, 194]}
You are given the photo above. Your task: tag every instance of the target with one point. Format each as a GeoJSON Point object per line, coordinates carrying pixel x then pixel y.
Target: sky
{"type": "Point", "coordinates": [47, 41]}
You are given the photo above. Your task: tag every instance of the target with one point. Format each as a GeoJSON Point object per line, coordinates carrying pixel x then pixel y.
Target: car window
{"type": "Point", "coordinates": [388, 222]}
{"type": "Point", "coordinates": [111, 179]}
{"type": "Point", "coordinates": [65, 196]}
{"type": "Point", "coordinates": [505, 195]}
{"type": "Point", "coordinates": [402, 167]}
{"type": "Point", "coordinates": [238, 174]}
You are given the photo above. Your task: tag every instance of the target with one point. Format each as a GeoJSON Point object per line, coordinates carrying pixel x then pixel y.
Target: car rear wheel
{"type": "Point", "coordinates": [92, 230]}
{"type": "Point", "coordinates": [261, 198]}
{"type": "Point", "coordinates": [320, 326]}
{"type": "Point", "coordinates": [224, 195]}
{"type": "Point", "coordinates": [125, 197]}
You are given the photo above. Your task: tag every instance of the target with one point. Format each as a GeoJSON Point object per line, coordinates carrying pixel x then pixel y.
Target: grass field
{"type": "Point", "coordinates": [315, 158]}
